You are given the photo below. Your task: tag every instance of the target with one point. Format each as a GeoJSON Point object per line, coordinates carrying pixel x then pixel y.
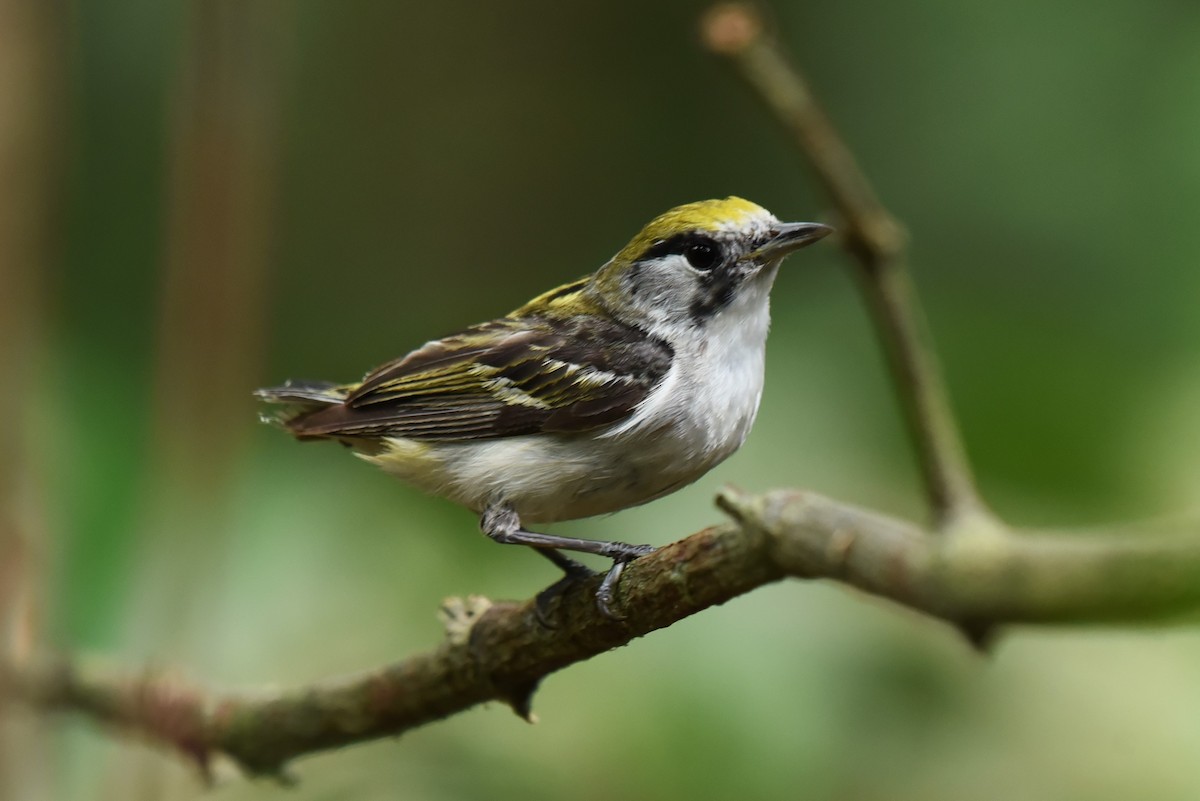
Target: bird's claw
{"type": "Point", "coordinates": [621, 554]}
{"type": "Point", "coordinates": [544, 601]}
{"type": "Point", "coordinates": [606, 594]}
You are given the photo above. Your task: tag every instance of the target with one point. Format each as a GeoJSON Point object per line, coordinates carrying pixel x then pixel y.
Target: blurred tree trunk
{"type": "Point", "coordinates": [30, 46]}
{"type": "Point", "coordinates": [221, 197]}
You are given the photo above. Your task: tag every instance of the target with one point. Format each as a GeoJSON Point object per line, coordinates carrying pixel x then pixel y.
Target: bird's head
{"type": "Point", "coordinates": [699, 261]}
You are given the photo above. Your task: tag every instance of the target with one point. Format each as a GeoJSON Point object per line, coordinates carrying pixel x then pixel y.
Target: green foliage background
{"type": "Point", "coordinates": [438, 164]}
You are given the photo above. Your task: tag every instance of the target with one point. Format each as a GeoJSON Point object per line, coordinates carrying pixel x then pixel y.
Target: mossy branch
{"type": "Point", "coordinates": [500, 652]}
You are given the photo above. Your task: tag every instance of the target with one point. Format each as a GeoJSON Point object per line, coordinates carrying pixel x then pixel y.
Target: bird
{"type": "Point", "coordinates": [605, 393]}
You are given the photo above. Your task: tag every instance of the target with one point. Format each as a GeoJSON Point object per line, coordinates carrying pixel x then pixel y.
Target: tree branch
{"type": "Point", "coordinates": [873, 238]}
{"type": "Point", "coordinates": [501, 652]}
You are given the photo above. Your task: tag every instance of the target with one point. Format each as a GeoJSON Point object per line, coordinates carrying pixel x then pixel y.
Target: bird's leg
{"type": "Point", "coordinates": [573, 573]}
{"type": "Point", "coordinates": [501, 523]}
{"type": "Point", "coordinates": [572, 569]}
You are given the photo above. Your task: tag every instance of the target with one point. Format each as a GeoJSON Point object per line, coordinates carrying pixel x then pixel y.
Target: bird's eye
{"type": "Point", "coordinates": [702, 255]}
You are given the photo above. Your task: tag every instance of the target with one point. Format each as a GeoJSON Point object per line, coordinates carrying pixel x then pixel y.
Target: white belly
{"type": "Point", "coordinates": [698, 416]}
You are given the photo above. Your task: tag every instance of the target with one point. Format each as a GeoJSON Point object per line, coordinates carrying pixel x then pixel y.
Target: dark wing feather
{"type": "Point", "coordinates": [501, 379]}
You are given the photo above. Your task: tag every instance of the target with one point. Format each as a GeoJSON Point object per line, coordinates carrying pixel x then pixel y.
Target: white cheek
{"type": "Point", "coordinates": [663, 290]}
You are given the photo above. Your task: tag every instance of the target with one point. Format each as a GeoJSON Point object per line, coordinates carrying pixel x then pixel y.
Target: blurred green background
{"type": "Point", "coordinates": [214, 196]}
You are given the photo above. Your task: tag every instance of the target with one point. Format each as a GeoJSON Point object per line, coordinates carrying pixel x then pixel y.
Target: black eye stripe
{"type": "Point", "coordinates": [702, 251]}
{"type": "Point", "coordinates": [719, 276]}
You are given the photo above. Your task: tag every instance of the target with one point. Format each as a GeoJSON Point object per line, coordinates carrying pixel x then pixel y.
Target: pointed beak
{"type": "Point", "coordinates": [787, 237]}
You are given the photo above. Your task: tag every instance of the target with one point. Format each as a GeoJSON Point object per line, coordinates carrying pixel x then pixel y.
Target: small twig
{"type": "Point", "coordinates": [876, 241]}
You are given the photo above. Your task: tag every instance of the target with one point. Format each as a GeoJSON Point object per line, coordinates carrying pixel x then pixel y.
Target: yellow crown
{"type": "Point", "coordinates": [715, 216]}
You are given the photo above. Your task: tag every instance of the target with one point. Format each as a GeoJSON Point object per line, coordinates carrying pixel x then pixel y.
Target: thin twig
{"type": "Point", "coordinates": [873, 238]}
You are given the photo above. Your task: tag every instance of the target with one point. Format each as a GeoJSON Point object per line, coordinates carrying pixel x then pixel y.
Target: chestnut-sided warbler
{"type": "Point", "coordinates": [599, 395]}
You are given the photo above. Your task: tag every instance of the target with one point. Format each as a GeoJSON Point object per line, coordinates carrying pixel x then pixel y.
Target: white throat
{"type": "Point", "coordinates": [708, 401]}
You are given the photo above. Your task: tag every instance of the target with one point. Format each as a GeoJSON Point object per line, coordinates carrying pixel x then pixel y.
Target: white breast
{"type": "Point", "coordinates": [704, 408]}
{"type": "Point", "coordinates": [698, 416]}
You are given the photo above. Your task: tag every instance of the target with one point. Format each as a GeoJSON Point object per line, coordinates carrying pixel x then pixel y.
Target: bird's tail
{"type": "Point", "coordinates": [297, 399]}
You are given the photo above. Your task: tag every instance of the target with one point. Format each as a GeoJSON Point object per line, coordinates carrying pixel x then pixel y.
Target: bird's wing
{"type": "Point", "coordinates": [504, 378]}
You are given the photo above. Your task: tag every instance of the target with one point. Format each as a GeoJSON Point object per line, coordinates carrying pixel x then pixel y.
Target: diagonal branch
{"type": "Point", "coordinates": [501, 652]}
{"type": "Point", "coordinates": [873, 238]}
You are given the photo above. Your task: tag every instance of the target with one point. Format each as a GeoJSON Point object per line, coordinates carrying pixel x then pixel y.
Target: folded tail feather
{"type": "Point", "coordinates": [299, 399]}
